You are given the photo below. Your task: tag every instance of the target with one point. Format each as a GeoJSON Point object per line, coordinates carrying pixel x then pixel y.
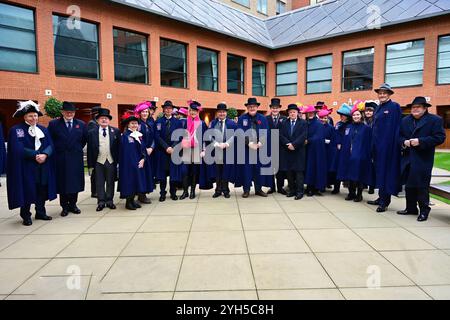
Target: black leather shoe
{"type": "Point", "coordinates": [75, 210]}
{"type": "Point", "coordinates": [216, 195]}
{"type": "Point", "coordinates": [44, 218]}
{"type": "Point", "coordinates": [192, 195]}
{"type": "Point", "coordinates": [299, 197]}
{"type": "Point", "coordinates": [407, 213]}
{"type": "Point", "coordinates": [174, 198]}
{"type": "Point", "coordinates": [143, 199]}
{"type": "Point", "coordinates": [136, 205]}
{"type": "Point", "coordinates": [261, 194]}
{"type": "Point", "coordinates": [310, 194]}
{"type": "Point", "coordinates": [270, 191]}
{"type": "Point", "coordinates": [227, 195]}
{"type": "Point", "coordinates": [129, 205]}
{"type": "Point", "coordinates": [64, 213]}
{"type": "Point", "coordinates": [100, 207]}
{"type": "Point", "coordinates": [381, 209]}
{"type": "Point", "coordinates": [290, 195]}
{"type": "Point", "coordinates": [283, 192]}
{"type": "Point", "coordinates": [111, 206]}
{"type": "Point", "coordinates": [185, 195]}
{"type": "Point", "coordinates": [350, 197]}
{"type": "Point", "coordinates": [162, 198]}
{"type": "Point", "coordinates": [245, 195]}
{"type": "Point", "coordinates": [422, 217]}
{"type": "Point", "coordinates": [374, 203]}
{"type": "Point", "coordinates": [358, 199]}
{"type": "Point", "coordinates": [27, 222]}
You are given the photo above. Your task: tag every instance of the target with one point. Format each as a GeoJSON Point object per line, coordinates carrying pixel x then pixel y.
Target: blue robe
{"type": "Point", "coordinates": [246, 171]}
{"type": "Point", "coordinates": [316, 165]}
{"type": "Point", "coordinates": [371, 166]}
{"type": "Point", "coordinates": [2, 152]}
{"type": "Point", "coordinates": [69, 156]}
{"type": "Point", "coordinates": [148, 141]}
{"type": "Point", "coordinates": [385, 148]}
{"type": "Point", "coordinates": [229, 170]}
{"type": "Point", "coordinates": [163, 141]}
{"type": "Point", "coordinates": [331, 148]}
{"type": "Point", "coordinates": [23, 172]}
{"type": "Point", "coordinates": [339, 135]}
{"type": "Point", "coordinates": [355, 155]}
{"type": "Point", "coordinates": [132, 180]}
{"type": "Point", "coordinates": [417, 162]}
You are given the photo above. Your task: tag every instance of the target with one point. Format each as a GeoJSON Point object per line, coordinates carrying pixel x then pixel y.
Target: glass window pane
{"type": "Point", "coordinates": [207, 69]}
{"type": "Point", "coordinates": [289, 66]}
{"type": "Point", "coordinates": [444, 60]}
{"type": "Point", "coordinates": [358, 70]}
{"type": "Point", "coordinates": [235, 74]}
{"type": "Point", "coordinates": [259, 78]}
{"type": "Point", "coordinates": [320, 62]}
{"type": "Point", "coordinates": [17, 39]}
{"type": "Point", "coordinates": [14, 60]}
{"type": "Point", "coordinates": [16, 17]}
{"type": "Point", "coordinates": [173, 79]}
{"type": "Point", "coordinates": [404, 63]}
{"type": "Point", "coordinates": [64, 28]}
{"type": "Point", "coordinates": [405, 79]}
{"type": "Point", "coordinates": [287, 90]}
{"type": "Point", "coordinates": [173, 64]}
{"type": "Point", "coordinates": [444, 44]}
{"type": "Point", "coordinates": [318, 75]}
{"type": "Point", "coordinates": [287, 78]}
{"type": "Point", "coordinates": [73, 66]}
{"type": "Point", "coordinates": [444, 76]}
{"type": "Point", "coordinates": [318, 87]}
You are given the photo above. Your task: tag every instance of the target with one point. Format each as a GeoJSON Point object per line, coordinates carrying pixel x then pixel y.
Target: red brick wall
{"type": "Point", "coordinates": [300, 3]}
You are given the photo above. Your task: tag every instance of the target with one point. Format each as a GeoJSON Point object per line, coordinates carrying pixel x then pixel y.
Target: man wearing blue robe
{"type": "Point", "coordinates": [256, 124]}
{"type": "Point", "coordinates": [30, 165]}
{"type": "Point", "coordinates": [385, 149]}
{"type": "Point", "coordinates": [69, 137]}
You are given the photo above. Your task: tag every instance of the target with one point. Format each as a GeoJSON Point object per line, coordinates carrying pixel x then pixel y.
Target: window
{"type": "Point", "coordinates": [245, 3]}
{"type": "Point", "coordinates": [287, 78]}
{"type": "Point", "coordinates": [444, 60]}
{"type": "Point", "coordinates": [130, 56]}
{"type": "Point", "coordinates": [259, 78]}
{"type": "Point", "coordinates": [357, 71]}
{"type": "Point", "coordinates": [404, 63]}
{"type": "Point", "coordinates": [207, 70]}
{"type": "Point", "coordinates": [281, 7]}
{"type": "Point", "coordinates": [173, 64]}
{"type": "Point", "coordinates": [318, 74]}
{"type": "Point", "coordinates": [76, 49]}
{"type": "Point", "coordinates": [262, 6]}
{"type": "Point", "coordinates": [235, 73]}
{"type": "Point", "coordinates": [17, 39]}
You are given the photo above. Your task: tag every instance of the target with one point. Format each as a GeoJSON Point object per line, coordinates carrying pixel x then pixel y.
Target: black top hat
{"type": "Point", "coordinates": [252, 101]}
{"type": "Point", "coordinates": [67, 106]}
{"type": "Point", "coordinates": [319, 104]}
{"type": "Point", "coordinates": [293, 106]}
{"type": "Point", "coordinates": [275, 102]}
{"type": "Point", "coordinates": [195, 105]}
{"type": "Point", "coordinates": [168, 104]}
{"type": "Point", "coordinates": [221, 106]}
{"type": "Point", "coordinates": [419, 101]}
{"type": "Point", "coordinates": [153, 105]}
{"type": "Point", "coordinates": [95, 109]}
{"type": "Point", "coordinates": [371, 105]}
{"type": "Point", "coordinates": [385, 87]}
{"type": "Point", "coordinates": [103, 113]}
{"type": "Point", "coordinates": [128, 117]}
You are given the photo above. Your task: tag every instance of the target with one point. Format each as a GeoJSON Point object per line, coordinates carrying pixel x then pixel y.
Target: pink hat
{"type": "Point", "coordinates": [325, 108]}
{"type": "Point", "coordinates": [183, 111]}
{"type": "Point", "coordinates": [141, 107]}
{"type": "Point", "coordinates": [309, 109]}
{"type": "Point", "coordinates": [324, 113]}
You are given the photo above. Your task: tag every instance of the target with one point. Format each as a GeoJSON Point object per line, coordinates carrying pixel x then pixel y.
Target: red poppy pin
{"type": "Point", "coordinates": [77, 126]}
{"type": "Point", "coordinates": [259, 122]}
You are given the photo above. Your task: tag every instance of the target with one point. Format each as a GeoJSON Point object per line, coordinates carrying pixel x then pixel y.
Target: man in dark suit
{"type": "Point", "coordinates": [69, 137]}
{"type": "Point", "coordinates": [293, 135]}
{"type": "Point", "coordinates": [420, 134]}
{"type": "Point", "coordinates": [103, 156]}
{"type": "Point", "coordinates": [276, 120]}
{"type": "Point", "coordinates": [93, 125]}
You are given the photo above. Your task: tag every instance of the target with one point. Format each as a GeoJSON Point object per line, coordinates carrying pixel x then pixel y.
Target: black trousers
{"type": "Point", "coordinates": [163, 186]}
{"type": "Point", "coordinates": [68, 201]}
{"type": "Point", "coordinates": [296, 182]}
{"type": "Point", "coordinates": [418, 196]}
{"type": "Point", "coordinates": [93, 183]}
{"type": "Point", "coordinates": [41, 197]}
{"type": "Point", "coordinates": [105, 175]}
{"type": "Point", "coordinates": [221, 184]}
{"type": "Point", "coordinates": [278, 180]}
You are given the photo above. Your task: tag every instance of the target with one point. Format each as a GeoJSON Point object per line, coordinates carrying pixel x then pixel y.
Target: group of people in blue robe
{"type": "Point", "coordinates": [372, 146]}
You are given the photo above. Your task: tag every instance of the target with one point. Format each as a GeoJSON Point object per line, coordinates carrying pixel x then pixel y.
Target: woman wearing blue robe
{"type": "Point", "coordinates": [132, 157]}
{"type": "Point", "coordinates": [2, 153]}
{"type": "Point", "coordinates": [249, 172]}
{"type": "Point", "coordinates": [30, 165]}
{"type": "Point", "coordinates": [355, 157]}
{"type": "Point", "coordinates": [330, 141]}
{"type": "Point", "coordinates": [369, 112]}
{"type": "Point", "coordinates": [316, 166]}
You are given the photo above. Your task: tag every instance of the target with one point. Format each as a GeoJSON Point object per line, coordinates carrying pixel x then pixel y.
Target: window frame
{"type": "Point", "coordinates": [276, 79]}
{"type": "Point", "coordinates": [218, 70]}
{"type": "Point", "coordinates": [186, 74]}
{"type": "Point", "coordinates": [306, 74]}
{"type": "Point", "coordinates": [437, 62]}
{"type": "Point", "coordinates": [343, 71]}
{"type": "Point", "coordinates": [244, 66]}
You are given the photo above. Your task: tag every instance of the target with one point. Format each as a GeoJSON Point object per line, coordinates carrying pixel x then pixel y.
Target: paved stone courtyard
{"type": "Point", "coordinates": [256, 248]}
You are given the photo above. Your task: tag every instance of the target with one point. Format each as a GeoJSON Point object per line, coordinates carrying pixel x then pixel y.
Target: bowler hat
{"type": "Point", "coordinates": [252, 102]}
{"type": "Point", "coordinates": [419, 101]}
{"type": "Point", "coordinates": [195, 105]}
{"type": "Point", "coordinates": [320, 104]}
{"type": "Point", "coordinates": [371, 105]}
{"type": "Point", "coordinates": [67, 106]}
{"type": "Point", "coordinates": [385, 87]}
{"type": "Point", "coordinates": [293, 106]}
{"type": "Point", "coordinates": [103, 113]}
{"type": "Point", "coordinates": [222, 106]}
{"type": "Point", "coordinates": [168, 104]}
{"type": "Point", "coordinates": [152, 104]}
{"type": "Point", "coordinates": [275, 102]}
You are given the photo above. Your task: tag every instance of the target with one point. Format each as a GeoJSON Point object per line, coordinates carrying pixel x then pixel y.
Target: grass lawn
{"type": "Point", "coordinates": [442, 160]}
{"type": "Point", "coordinates": [440, 198]}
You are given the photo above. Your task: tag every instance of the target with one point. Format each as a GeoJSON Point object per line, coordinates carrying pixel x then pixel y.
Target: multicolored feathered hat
{"type": "Point", "coordinates": [359, 106]}
{"type": "Point", "coordinates": [24, 107]}
{"type": "Point", "coordinates": [128, 117]}
{"type": "Point", "coordinates": [195, 105]}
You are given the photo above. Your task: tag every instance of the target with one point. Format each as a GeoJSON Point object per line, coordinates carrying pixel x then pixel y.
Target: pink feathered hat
{"type": "Point", "coordinates": [183, 111]}
{"type": "Point", "coordinates": [141, 107]}
{"type": "Point", "coordinates": [309, 109]}
{"type": "Point", "coordinates": [324, 113]}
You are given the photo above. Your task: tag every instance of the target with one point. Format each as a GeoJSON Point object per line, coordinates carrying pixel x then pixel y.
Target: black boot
{"type": "Point", "coordinates": [185, 188]}
{"type": "Point", "coordinates": [351, 192]}
{"type": "Point", "coordinates": [142, 197]}
{"type": "Point", "coordinates": [193, 187]}
{"type": "Point", "coordinates": [129, 204]}
{"type": "Point", "coordinates": [337, 188]}
{"type": "Point", "coordinates": [359, 197]}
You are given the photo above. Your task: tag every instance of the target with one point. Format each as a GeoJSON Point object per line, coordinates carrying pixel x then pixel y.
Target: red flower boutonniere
{"type": "Point", "coordinates": [259, 122]}
{"type": "Point", "coordinates": [77, 126]}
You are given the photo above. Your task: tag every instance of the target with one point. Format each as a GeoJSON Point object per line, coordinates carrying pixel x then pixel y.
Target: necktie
{"type": "Point", "coordinates": [221, 126]}
{"type": "Point", "coordinates": [69, 125]}
{"type": "Point", "coordinates": [104, 132]}
{"type": "Point", "coordinates": [275, 121]}
{"type": "Point", "coordinates": [292, 127]}
{"type": "Point", "coordinates": [168, 135]}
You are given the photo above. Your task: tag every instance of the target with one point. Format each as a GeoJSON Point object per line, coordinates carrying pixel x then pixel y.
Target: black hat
{"type": "Point", "coordinates": [221, 106]}
{"type": "Point", "coordinates": [293, 106]}
{"type": "Point", "coordinates": [128, 117]}
{"type": "Point", "coordinates": [419, 101]}
{"type": "Point", "coordinates": [195, 105]}
{"type": "Point", "coordinates": [275, 102]}
{"type": "Point", "coordinates": [95, 109]}
{"type": "Point", "coordinates": [152, 104]}
{"type": "Point", "coordinates": [103, 113]}
{"type": "Point", "coordinates": [252, 101]}
{"type": "Point", "coordinates": [25, 107]}
{"type": "Point", "coordinates": [167, 104]}
{"type": "Point", "coordinates": [371, 105]}
{"type": "Point", "coordinates": [67, 106]}
{"type": "Point", "coordinates": [385, 87]}
{"type": "Point", "coordinates": [319, 104]}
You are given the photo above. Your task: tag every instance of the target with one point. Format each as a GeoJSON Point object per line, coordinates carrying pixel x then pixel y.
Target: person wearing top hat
{"type": "Point", "coordinates": [69, 137]}
{"type": "Point", "coordinates": [30, 164]}
{"type": "Point", "coordinates": [356, 155]}
{"type": "Point", "coordinates": [293, 134]}
{"type": "Point", "coordinates": [142, 111]}
{"type": "Point", "coordinates": [194, 147]}
{"type": "Point", "coordinates": [320, 105]}
{"type": "Point", "coordinates": [132, 158]}
{"type": "Point", "coordinates": [90, 126]}
{"type": "Point", "coordinates": [223, 169]}
{"type": "Point", "coordinates": [275, 120]}
{"type": "Point", "coordinates": [256, 128]}
{"type": "Point", "coordinates": [369, 112]}
{"type": "Point", "coordinates": [316, 163]}
{"type": "Point", "coordinates": [385, 150]}
{"type": "Point", "coordinates": [166, 167]}
{"type": "Point", "coordinates": [2, 153]}
{"type": "Point", "coordinates": [151, 123]}
{"type": "Point", "coordinates": [420, 133]}
{"type": "Point", "coordinates": [103, 158]}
